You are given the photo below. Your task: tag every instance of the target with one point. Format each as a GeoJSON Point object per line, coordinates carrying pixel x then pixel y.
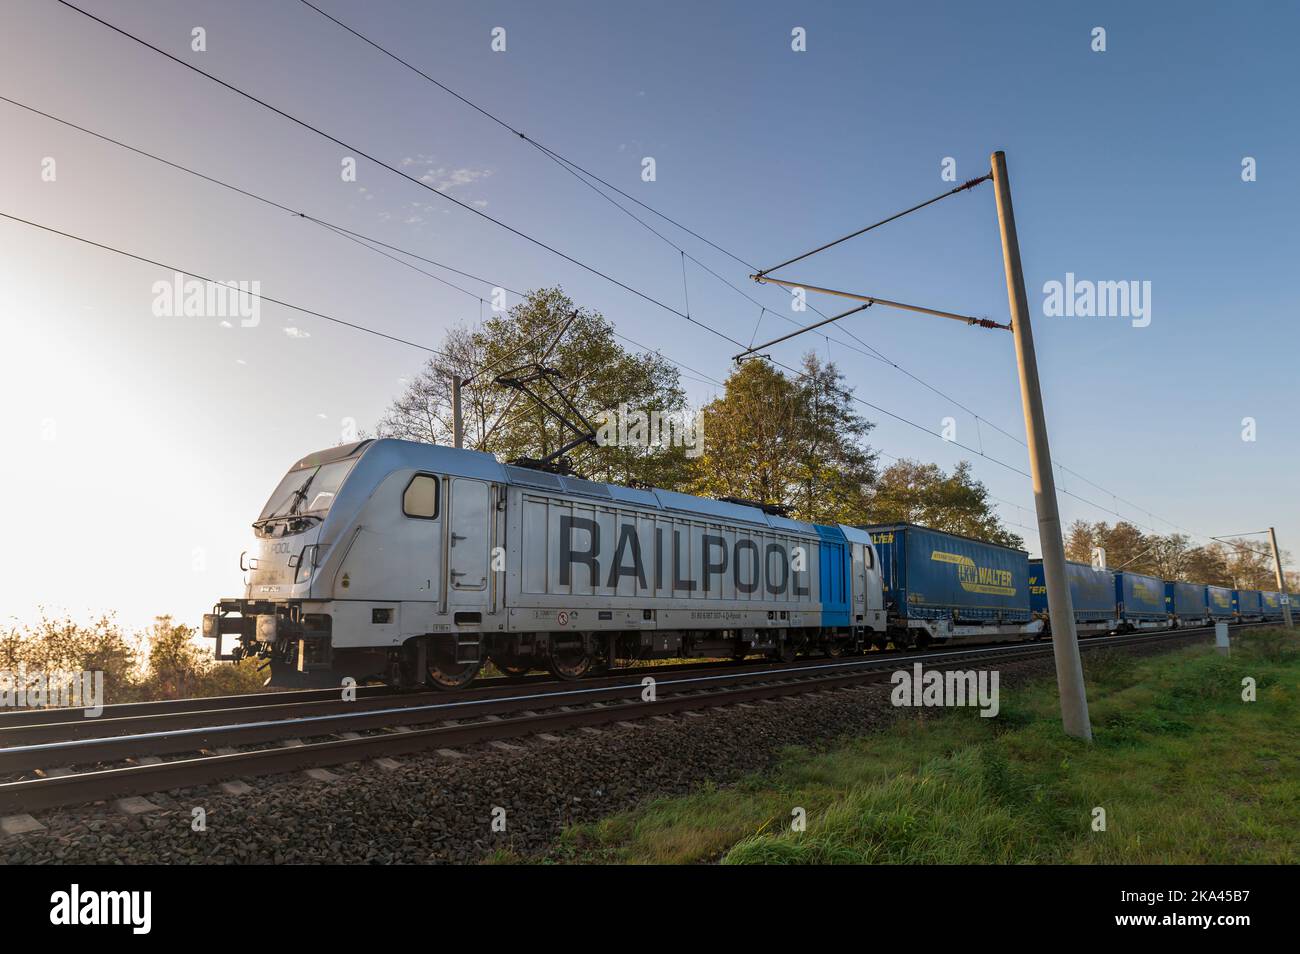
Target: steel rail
{"type": "Point", "coordinates": [211, 704]}
{"type": "Point", "coordinates": [55, 791]}
{"type": "Point", "coordinates": [42, 747]}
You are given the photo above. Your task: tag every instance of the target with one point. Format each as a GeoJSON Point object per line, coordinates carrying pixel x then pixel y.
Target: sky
{"type": "Point", "coordinates": [139, 447]}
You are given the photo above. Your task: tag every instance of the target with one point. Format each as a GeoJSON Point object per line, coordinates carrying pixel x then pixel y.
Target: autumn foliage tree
{"type": "Point", "coordinates": [1236, 563]}
{"type": "Point", "coordinates": [590, 367]}
{"type": "Point", "coordinates": [796, 442]}
{"type": "Point", "coordinates": [913, 492]}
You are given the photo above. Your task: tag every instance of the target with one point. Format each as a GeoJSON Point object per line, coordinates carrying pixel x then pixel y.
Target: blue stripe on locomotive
{"type": "Point", "coordinates": [1140, 597]}
{"type": "Point", "coordinates": [1092, 592]}
{"type": "Point", "coordinates": [1186, 600]}
{"type": "Point", "coordinates": [929, 574]}
{"type": "Point", "coordinates": [835, 563]}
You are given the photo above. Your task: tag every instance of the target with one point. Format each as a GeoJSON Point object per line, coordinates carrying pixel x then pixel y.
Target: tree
{"type": "Point", "coordinates": [912, 492]}
{"type": "Point", "coordinates": [423, 412]}
{"type": "Point", "coordinates": [835, 469]}
{"type": "Point", "coordinates": [1125, 545]}
{"type": "Point", "coordinates": [1250, 563]}
{"type": "Point", "coordinates": [1208, 565]}
{"type": "Point", "coordinates": [1078, 542]}
{"type": "Point", "coordinates": [1236, 563]}
{"type": "Point", "coordinates": [606, 383]}
{"type": "Point", "coordinates": [177, 664]}
{"type": "Point", "coordinates": [795, 443]}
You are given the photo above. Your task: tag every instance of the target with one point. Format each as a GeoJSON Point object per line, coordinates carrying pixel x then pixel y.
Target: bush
{"type": "Point", "coordinates": [163, 662]}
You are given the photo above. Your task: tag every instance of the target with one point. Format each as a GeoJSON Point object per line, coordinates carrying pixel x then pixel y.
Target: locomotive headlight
{"type": "Point", "coordinates": [306, 563]}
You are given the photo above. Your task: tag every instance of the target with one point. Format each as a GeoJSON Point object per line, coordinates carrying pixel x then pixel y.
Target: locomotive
{"type": "Point", "coordinates": [417, 563]}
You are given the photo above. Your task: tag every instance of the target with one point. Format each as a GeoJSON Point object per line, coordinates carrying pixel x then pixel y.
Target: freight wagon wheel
{"type": "Point", "coordinates": [570, 662]}
{"type": "Point", "coordinates": [445, 673]}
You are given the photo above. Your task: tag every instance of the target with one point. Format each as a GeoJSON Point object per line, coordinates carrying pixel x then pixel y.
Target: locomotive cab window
{"type": "Point", "coordinates": [421, 497]}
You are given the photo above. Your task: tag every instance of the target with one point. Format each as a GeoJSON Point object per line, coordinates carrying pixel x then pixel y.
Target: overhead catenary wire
{"type": "Point", "coordinates": [519, 233]}
{"type": "Point", "coordinates": [250, 194]}
{"type": "Point", "coordinates": [517, 132]}
{"type": "Point", "coordinates": [234, 288]}
{"type": "Point", "coordinates": [843, 393]}
{"type": "Point", "coordinates": [588, 178]}
{"type": "Point", "coordinates": [393, 169]}
{"type": "Point", "coordinates": [969, 184]}
{"type": "Point", "coordinates": [366, 241]}
{"type": "Point", "coordinates": [575, 168]}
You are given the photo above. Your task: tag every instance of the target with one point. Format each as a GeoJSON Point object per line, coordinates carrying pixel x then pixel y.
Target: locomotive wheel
{"type": "Point", "coordinates": [513, 667]}
{"type": "Point", "coordinates": [445, 673]}
{"type": "Point", "coordinates": [788, 652]}
{"type": "Point", "coordinates": [569, 663]}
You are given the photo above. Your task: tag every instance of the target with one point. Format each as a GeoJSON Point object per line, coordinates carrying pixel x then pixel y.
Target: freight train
{"type": "Point", "coordinates": [417, 564]}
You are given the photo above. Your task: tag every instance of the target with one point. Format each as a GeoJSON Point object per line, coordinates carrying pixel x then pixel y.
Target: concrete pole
{"type": "Point", "coordinates": [1281, 580]}
{"type": "Point", "coordinates": [1069, 669]}
{"type": "Point", "coordinates": [457, 416]}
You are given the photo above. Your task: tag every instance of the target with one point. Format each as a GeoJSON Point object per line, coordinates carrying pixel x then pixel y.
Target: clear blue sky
{"type": "Point", "coordinates": [139, 448]}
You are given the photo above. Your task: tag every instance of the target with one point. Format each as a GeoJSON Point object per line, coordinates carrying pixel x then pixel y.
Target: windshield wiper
{"type": "Point", "coordinates": [300, 495]}
{"type": "Point", "coordinates": [292, 518]}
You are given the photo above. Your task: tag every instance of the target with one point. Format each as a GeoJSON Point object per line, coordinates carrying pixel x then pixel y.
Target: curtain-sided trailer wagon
{"type": "Point", "coordinates": [942, 586]}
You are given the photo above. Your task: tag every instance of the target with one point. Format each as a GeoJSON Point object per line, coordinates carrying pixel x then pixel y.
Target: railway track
{"type": "Point", "coordinates": [53, 764]}
{"type": "Point", "coordinates": [249, 701]}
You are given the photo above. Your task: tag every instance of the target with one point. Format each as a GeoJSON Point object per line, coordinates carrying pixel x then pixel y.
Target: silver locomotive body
{"type": "Point", "coordinates": [417, 563]}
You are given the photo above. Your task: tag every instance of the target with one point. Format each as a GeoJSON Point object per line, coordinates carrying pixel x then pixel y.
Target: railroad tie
{"type": "Point", "coordinates": [136, 805]}
{"type": "Point", "coordinates": [321, 775]}
{"type": "Point", "coordinates": [19, 825]}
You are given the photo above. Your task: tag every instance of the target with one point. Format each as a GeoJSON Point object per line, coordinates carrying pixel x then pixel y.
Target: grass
{"type": "Point", "coordinates": [1186, 771]}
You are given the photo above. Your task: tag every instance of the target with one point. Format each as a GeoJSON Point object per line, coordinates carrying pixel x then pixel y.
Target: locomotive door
{"type": "Point", "coordinates": [467, 553]}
